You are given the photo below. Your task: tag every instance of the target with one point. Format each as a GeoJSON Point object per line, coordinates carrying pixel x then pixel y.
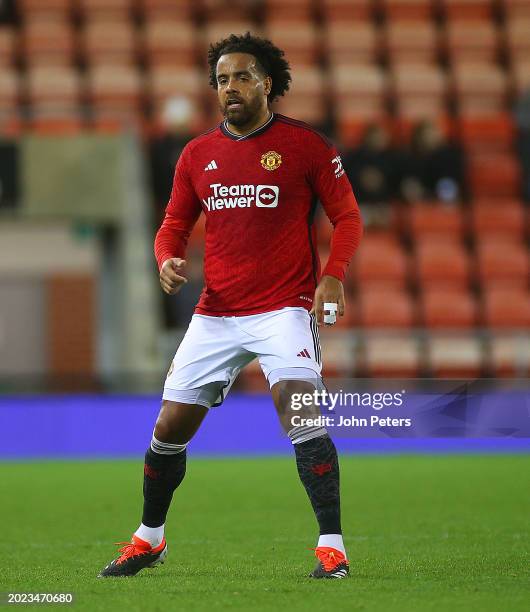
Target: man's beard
{"type": "Point", "coordinates": [244, 116]}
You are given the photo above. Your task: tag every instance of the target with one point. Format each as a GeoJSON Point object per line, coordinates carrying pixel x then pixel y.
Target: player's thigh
{"type": "Point", "coordinates": [177, 422]}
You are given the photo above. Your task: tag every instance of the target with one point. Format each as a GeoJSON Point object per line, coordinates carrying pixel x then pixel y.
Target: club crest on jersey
{"type": "Point", "coordinates": [271, 160]}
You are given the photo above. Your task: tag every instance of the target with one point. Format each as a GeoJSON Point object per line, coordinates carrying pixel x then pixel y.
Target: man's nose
{"type": "Point", "coordinates": [232, 86]}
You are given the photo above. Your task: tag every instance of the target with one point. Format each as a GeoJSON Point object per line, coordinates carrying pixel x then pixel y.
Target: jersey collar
{"type": "Point", "coordinates": [256, 132]}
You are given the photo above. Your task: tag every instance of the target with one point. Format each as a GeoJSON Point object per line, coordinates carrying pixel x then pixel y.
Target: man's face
{"type": "Point", "coordinates": [242, 89]}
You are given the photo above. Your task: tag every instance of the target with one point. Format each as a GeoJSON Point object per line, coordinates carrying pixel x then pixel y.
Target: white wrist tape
{"type": "Point", "coordinates": [330, 312]}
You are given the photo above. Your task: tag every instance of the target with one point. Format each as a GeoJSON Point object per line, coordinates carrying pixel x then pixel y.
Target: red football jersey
{"type": "Point", "coordinates": [259, 193]}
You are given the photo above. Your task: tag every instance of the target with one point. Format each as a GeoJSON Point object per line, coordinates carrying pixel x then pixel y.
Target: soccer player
{"type": "Point", "coordinates": [257, 177]}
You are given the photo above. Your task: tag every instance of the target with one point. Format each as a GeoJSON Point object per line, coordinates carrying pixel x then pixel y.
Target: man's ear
{"type": "Point", "coordinates": [267, 85]}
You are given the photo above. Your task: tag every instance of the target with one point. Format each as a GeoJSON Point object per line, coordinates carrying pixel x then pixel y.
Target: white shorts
{"type": "Point", "coordinates": [215, 349]}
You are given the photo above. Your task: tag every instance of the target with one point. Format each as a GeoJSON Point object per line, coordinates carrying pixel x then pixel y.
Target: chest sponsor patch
{"type": "Point", "coordinates": [241, 196]}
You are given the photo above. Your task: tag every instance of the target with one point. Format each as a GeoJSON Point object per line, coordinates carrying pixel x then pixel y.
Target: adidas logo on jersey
{"type": "Point", "coordinates": [242, 196]}
{"type": "Point", "coordinates": [211, 166]}
{"type": "Point", "coordinates": [304, 353]}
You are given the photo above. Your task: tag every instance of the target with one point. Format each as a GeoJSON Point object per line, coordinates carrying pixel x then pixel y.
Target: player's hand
{"type": "Point", "coordinates": [329, 289]}
{"type": "Point", "coordinates": [171, 278]}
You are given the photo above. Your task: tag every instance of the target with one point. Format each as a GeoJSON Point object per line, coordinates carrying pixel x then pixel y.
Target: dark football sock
{"type": "Point", "coordinates": [318, 468]}
{"type": "Point", "coordinates": [162, 475]}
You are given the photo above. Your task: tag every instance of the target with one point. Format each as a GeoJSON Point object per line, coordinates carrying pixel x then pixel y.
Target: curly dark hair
{"type": "Point", "coordinates": [269, 58]}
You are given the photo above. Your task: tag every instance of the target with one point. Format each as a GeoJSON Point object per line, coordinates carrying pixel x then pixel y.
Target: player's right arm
{"type": "Point", "coordinates": [182, 212]}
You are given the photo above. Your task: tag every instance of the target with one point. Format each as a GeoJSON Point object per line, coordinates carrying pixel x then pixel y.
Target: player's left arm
{"type": "Point", "coordinates": [334, 191]}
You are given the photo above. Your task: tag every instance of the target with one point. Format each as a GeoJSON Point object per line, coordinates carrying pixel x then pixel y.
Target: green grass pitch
{"type": "Point", "coordinates": [423, 533]}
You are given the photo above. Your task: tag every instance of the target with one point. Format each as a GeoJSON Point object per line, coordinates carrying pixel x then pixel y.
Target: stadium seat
{"type": "Point", "coordinates": [448, 308]}
{"type": "Point", "coordinates": [341, 11]}
{"type": "Point", "coordinates": [407, 9]}
{"type": "Point", "coordinates": [383, 307]}
{"type": "Point", "coordinates": [117, 10]}
{"type": "Point", "coordinates": [420, 90]}
{"type": "Point", "coordinates": [9, 91]}
{"type": "Point", "coordinates": [507, 307]}
{"type": "Point", "coordinates": [168, 41]}
{"type": "Point", "coordinates": [473, 41]}
{"type": "Point", "coordinates": [391, 355]}
{"type": "Point", "coordinates": [509, 354]}
{"type": "Point", "coordinates": [183, 10]}
{"type": "Point", "coordinates": [212, 32]}
{"type": "Point", "coordinates": [58, 86]}
{"type": "Point", "coordinates": [455, 355]}
{"type": "Point", "coordinates": [300, 42]}
{"type": "Point", "coordinates": [498, 219]}
{"type": "Point", "coordinates": [360, 90]}
{"type": "Point", "coordinates": [338, 352]}
{"type": "Point", "coordinates": [516, 9]}
{"type": "Point", "coordinates": [520, 75]}
{"type": "Point", "coordinates": [224, 10]}
{"type": "Point", "coordinates": [109, 42]}
{"type": "Point", "coordinates": [517, 36]}
{"type": "Point", "coordinates": [115, 89]}
{"type": "Point", "coordinates": [487, 134]}
{"type": "Point", "coordinates": [167, 81]}
{"type": "Point", "coordinates": [381, 262]}
{"type": "Point", "coordinates": [7, 46]}
{"type": "Point", "coordinates": [473, 10]}
{"type": "Point", "coordinates": [307, 84]}
{"type": "Point", "coordinates": [411, 42]}
{"type": "Point", "coordinates": [351, 43]}
{"type": "Point", "coordinates": [50, 9]}
{"type": "Point", "coordinates": [501, 261]}
{"type": "Point", "coordinates": [480, 88]}
{"type": "Point", "coordinates": [494, 175]}
{"type": "Point", "coordinates": [296, 11]}
{"type": "Point", "coordinates": [48, 43]}
{"type": "Point", "coordinates": [442, 263]}
{"type": "Point", "coordinates": [435, 219]}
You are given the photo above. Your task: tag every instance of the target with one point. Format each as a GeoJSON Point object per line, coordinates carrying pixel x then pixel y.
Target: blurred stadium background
{"type": "Point", "coordinates": [97, 98]}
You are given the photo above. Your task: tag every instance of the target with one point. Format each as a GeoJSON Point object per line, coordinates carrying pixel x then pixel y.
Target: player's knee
{"type": "Point", "coordinates": [286, 391]}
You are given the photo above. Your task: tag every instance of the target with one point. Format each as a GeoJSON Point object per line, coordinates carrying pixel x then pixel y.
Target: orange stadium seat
{"type": "Point", "coordinates": [7, 46]}
{"type": "Point", "coordinates": [420, 90]}
{"type": "Point", "coordinates": [480, 88]}
{"type": "Point", "coordinates": [391, 355]}
{"type": "Point", "coordinates": [297, 11]}
{"type": "Point", "coordinates": [408, 9]}
{"type": "Point", "coordinates": [498, 218]}
{"type": "Point", "coordinates": [351, 43]}
{"type": "Point", "coordinates": [517, 35]}
{"type": "Point", "coordinates": [167, 81]}
{"type": "Point", "coordinates": [338, 352]}
{"type": "Point", "coordinates": [509, 354]}
{"type": "Point", "coordinates": [502, 262]}
{"type": "Point", "coordinates": [455, 356]}
{"type": "Point", "coordinates": [442, 263]}
{"type": "Point", "coordinates": [300, 42]}
{"type": "Point", "coordinates": [507, 307]}
{"type": "Point", "coordinates": [9, 91]}
{"type": "Point", "coordinates": [48, 42]}
{"type": "Point", "coordinates": [411, 41]}
{"type": "Point", "coordinates": [487, 134]}
{"type": "Point", "coordinates": [448, 308]}
{"type": "Point", "coordinates": [58, 86]}
{"type": "Point", "coordinates": [109, 42]}
{"type": "Point", "coordinates": [360, 90]}
{"type": "Point", "coordinates": [516, 9]}
{"type": "Point", "coordinates": [172, 9]}
{"type": "Point", "coordinates": [212, 32]}
{"type": "Point", "coordinates": [473, 41]}
{"type": "Point", "coordinates": [381, 262]}
{"type": "Point", "coordinates": [473, 10]}
{"type": "Point", "coordinates": [51, 9]}
{"type": "Point", "coordinates": [223, 10]}
{"type": "Point", "coordinates": [494, 175]}
{"type": "Point", "coordinates": [520, 75]}
{"type": "Point", "coordinates": [115, 89]}
{"type": "Point", "coordinates": [168, 41]}
{"type": "Point", "coordinates": [308, 84]}
{"type": "Point", "coordinates": [382, 307]}
{"type": "Point", "coordinates": [437, 220]}
{"type": "Point", "coordinates": [118, 10]}
{"type": "Point", "coordinates": [341, 11]}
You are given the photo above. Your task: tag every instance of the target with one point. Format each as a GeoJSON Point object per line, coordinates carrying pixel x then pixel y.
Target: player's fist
{"type": "Point", "coordinates": [329, 291]}
{"type": "Point", "coordinates": [171, 278]}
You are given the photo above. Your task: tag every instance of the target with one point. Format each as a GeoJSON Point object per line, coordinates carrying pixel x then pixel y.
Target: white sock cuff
{"type": "Point", "coordinates": [165, 448]}
{"type": "Point", "coordinates": [303, 433]}
{"type": "Point", "coordinates": [332, 540]}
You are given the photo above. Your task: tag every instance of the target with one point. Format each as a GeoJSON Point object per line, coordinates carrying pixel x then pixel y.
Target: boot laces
{"type": "Point", "coordinates": [129, 550]}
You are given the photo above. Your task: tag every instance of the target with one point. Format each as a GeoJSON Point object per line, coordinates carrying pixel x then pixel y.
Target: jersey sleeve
{"type": "Point", "coordinates": [182, 212]}
{"type": "Point", "coordinates": [332, 187]}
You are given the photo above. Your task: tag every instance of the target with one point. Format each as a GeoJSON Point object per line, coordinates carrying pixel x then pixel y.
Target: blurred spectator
{"type": "Point", "coordinates": [7, 11]}
{"type": "Point", "coordinates": [166, 148]}
{"type": "Point", "coordinates": [9, 184]}
{"type": "Point", "coordinates": [433, 169]}
{"type": "Point", "coordinates": [522, 118]}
